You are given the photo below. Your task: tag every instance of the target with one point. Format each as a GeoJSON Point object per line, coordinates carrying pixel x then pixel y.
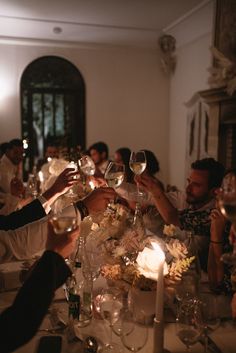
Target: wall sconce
{"type": "Point", "coordinates": [168, 58]}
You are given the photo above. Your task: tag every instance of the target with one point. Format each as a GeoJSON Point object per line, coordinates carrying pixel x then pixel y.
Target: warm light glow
{"type": "Point", "coordinates": [41, 178]}
{"type": "Point", "coordinates": [91, 184]}
{"type": "Point", "coordinates": [150, 260]}
{"type": "Point", "coordinates": [158, 251]}
{"type": "Point", "coordinates": [25, 144]}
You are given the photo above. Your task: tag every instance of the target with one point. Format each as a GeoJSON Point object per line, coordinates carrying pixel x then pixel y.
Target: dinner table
{"type": "Point", "coordinates": [221, 339]}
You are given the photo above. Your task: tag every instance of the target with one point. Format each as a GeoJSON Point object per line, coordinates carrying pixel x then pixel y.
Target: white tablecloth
{"type": "Point", "coordinates": [224, 336]}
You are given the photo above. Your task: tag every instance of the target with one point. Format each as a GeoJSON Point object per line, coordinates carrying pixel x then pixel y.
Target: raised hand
{"type": "Point", "coordinates": [99, 198]}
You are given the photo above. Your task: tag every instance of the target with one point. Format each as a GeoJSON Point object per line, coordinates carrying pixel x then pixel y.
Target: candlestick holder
{"type": "Point", "coordinates": [158, 337]}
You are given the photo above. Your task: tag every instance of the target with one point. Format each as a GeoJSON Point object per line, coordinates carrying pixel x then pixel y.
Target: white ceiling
{"type": "Point", "coordinates": [118, 22]}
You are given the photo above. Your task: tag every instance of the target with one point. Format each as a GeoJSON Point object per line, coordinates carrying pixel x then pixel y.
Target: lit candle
{"type": "Point", "coordinates": [158, 334]}
{"type": "Point", "coordinates": [160, 283]}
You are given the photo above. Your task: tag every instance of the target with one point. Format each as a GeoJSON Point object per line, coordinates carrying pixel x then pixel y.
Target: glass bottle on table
{"type": "Point", "coordinates": [79, 289]}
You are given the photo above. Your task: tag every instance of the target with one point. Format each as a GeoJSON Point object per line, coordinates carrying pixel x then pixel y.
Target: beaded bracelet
{"type": "Point", "coordinates": [216, 242]}
{"type": "Point", "coordinates": [82, 209]}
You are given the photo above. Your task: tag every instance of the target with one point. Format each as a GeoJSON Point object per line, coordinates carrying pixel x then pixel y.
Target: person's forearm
{"type": "Point", "coordinates": [20, 322]}
{"type": "Point", "coordinates": [167, 211]}
{"type": "Point", "coordinates": [215, 266]}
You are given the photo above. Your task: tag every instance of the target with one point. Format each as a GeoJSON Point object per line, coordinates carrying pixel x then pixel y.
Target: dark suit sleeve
{"type": "Point", "coordinates": [19, 323]}
{"type": "Point", "coordinates": [30, 213]}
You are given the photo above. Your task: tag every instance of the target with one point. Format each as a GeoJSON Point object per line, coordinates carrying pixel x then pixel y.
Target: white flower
{"type": "Point", "coordinates": [177, 249]}
{"type": "Point", "coordinates": [148, 264]}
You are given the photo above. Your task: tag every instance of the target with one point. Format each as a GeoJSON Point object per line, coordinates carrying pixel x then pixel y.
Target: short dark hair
{"type": "Point", "coordinates": [215, 169]}
{"type": "Point", "coordinates": [4, 147]}
{"type": "Point", "coordinates": [153, 166]}
{"type": "Point", "coordinates": [100, 147]}
{"type": "Point", "coordinates": [15, 143]}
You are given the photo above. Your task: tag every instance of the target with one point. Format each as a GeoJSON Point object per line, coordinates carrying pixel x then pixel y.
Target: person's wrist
{"type": "Point", "coordinates": [83, 208]}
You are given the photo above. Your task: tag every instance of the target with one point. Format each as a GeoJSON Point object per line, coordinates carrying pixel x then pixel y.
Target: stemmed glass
{"type": "Point", "coordinates": [134, 330]}
{"type": "Point", "coordinates": [71, 193]}
{"type": "Point", "coordinates": [109, 305]}
{"type": "Point", "coordinates": [87, 167]}
{"type": "Point", "coordinates": [114, 174]}
{"type": "Point", "coordinates": [63, 216]}
{"type": "Point", "coordinates": [189, 323]}
{"type": "Point", "coordinates": [137, 164]}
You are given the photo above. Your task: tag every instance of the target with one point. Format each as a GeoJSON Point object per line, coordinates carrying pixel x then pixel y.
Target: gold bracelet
{"type": "Point", "coordinates": [216, 242]}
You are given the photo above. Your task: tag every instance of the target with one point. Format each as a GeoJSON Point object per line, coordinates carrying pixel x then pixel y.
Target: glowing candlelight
{"type": "Point", "coordinates": [160, 282]}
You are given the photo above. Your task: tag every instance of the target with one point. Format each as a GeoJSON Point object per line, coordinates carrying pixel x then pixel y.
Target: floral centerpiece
{"type": "Point", "coordinates": [129, 257]}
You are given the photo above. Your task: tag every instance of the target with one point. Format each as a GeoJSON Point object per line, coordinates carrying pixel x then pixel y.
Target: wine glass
{"type": "Point", "coordinates": [137, 164]}
{"type": "Point", "coordinates": [88, 168]}
{"type": "Point", "coordinates": [87, 165]}
{"type": "Point", "coordinates": [109, 305]}
{"type": "Point", "coordinates": [32, 186]}
{"type": "Point", "coordinates": [71, 192]}
{"type": "Point", "coordinates": [189, 323]}
{"type": "Point", "coordinates": [63, 216]}
{"type": "Point", "coordinates": [114, 174]}
{"type": "Point", "coordinates": [134, 330]}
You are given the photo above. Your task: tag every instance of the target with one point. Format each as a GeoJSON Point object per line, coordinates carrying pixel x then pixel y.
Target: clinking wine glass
{"type": "Point", "coordinates": [71, 193]}
{"type": "Point", "coordinates": [137, 164]}
{"type": "Point", "coordinates": [114, 176]}
{"type": "Point", "coordinates": [88, 168]}
{"type": "Point", "coordinates": [64, 216]}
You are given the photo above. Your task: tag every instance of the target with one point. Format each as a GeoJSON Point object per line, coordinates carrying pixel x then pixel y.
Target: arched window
{"type": "Point", "coordinates": [53, 106]}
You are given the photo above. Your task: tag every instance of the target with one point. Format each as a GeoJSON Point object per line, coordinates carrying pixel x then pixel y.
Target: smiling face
{"type": "Point", "coordinates": [197, 189]}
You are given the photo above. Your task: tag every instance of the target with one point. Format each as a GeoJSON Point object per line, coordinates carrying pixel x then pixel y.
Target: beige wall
{"type": "Point", "coordinates": [126, 95]}
{"type": "Point", "coordinates": [128, 99]}
{"type": "Point", "coordinates": [194, 36]}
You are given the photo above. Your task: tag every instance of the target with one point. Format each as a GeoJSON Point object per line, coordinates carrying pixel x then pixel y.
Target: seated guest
{"type": "Point", "coordinates": [122, 156]}
{"type": "Point", "coordinates": [190, 210]}
{"type": "Point", "coordinates": [28, 241]}
{"type": "Point", "coordinates": [19, 322]}
{"type": "Point", "coordinates": [99, 154]}
{"type": "Point", "coordinates": [51, 151]}
{"type": "Point", "coordinates": [10, 168]}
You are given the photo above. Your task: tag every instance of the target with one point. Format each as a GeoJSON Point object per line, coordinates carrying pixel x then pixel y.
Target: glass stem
{"type": "Point", "coordinates": [110, 338]}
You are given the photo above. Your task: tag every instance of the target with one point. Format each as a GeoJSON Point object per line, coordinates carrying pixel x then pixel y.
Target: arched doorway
{"type": "Point", "coordinates": [52, 106]}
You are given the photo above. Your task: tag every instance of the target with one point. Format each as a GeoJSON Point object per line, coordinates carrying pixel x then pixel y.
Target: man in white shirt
{"type": "Point", "coordinates": [99, 154]}
{"type": "Point", "coordinates": [10, 168]}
